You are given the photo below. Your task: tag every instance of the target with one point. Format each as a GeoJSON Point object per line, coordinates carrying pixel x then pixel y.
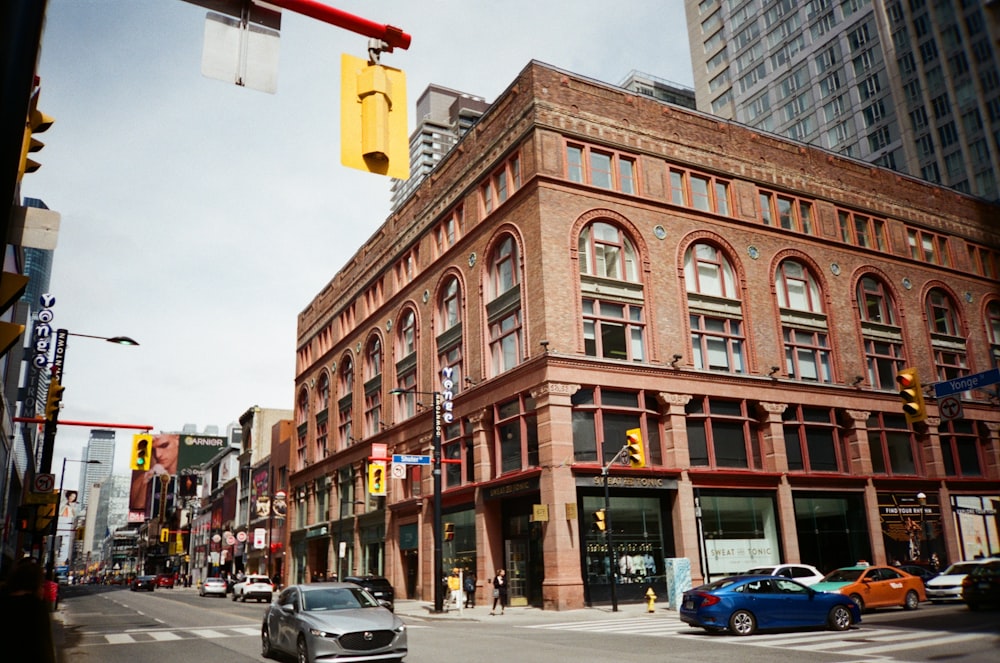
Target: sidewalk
{"type": "Point", "coordinates": [532, 615]}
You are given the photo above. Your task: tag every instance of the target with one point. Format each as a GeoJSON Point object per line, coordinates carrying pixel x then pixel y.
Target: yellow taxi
{"type": "Point", "coordinates": [875, 586]}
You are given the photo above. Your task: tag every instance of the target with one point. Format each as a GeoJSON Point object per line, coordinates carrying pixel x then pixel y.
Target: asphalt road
{"type": "Point", "coordinates": [114, 625]}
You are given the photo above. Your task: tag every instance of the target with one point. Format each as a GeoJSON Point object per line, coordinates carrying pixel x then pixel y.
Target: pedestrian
{"type": "Point", "coordinates": [24, 616]}
{"type": "Point", "coordinates": [455, 588]}
{"type": "Point", "coordinates": [470, 589]}
{"type": "Point", "coordinates": [499, 591]}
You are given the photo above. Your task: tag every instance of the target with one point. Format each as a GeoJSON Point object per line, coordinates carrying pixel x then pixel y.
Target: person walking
{"type": "Point", "coordinates": [499, 591]}
{"type": "Point", "coordinates": [25, 623]}
{"type": "Point", "coordinates": [470, 589]}
{"type": "Point", "coordinates": [455, 588]}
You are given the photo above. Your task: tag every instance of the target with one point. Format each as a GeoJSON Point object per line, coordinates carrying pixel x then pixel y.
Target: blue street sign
{"type": "Point", "coordinates": [966, 383]}
{"type": "Point", "coordinates": [411, 460]}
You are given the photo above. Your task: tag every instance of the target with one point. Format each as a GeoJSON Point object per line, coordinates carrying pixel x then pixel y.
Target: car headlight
{"type": "Point", "coordinates": [321, 634]}
{"type": "Point", "coordinates": [400, 628]}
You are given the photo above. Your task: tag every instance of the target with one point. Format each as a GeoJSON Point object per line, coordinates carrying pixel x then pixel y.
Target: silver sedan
{"type": "Point", "coordinates": [332, 621]}
{"type": "Point", "coordinates": [212, 587]}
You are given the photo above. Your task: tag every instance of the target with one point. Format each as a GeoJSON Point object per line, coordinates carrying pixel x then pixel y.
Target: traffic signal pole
{"type": "Point", "coordinates": [392, 36]}
{"type": "Point", "coordinates": [613, 566]}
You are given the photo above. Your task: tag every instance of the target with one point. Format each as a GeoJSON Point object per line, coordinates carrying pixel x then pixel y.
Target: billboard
{"type": "Point", "coordinates": [196, 450]}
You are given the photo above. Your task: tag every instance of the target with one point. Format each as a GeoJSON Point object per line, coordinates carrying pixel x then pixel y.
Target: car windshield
{"type": "Point", "coordinates": [960, 568]}
{"type": "Point", "coordinates": [337, 599]}
{"type": "Point", "coordinates": [844, 575]}
{"type": "Point", "coordinates": [991, 568]}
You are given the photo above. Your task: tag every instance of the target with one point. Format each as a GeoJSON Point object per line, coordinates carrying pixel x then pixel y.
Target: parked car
{"type": "Point", "coordinates": [254, 587]}
{"type": "Point", "coordinates": [947, 585]}
{"type": "Point", "coordinates": [377, 586]}
{"type": "Point", "coordinates": [804, 573]}
{"type": "Point", "coordinates": [925, 573]}
{"type": "Point", "coordinates": [143, 583]}
{"type": "Point", "coordinates": [981, 587]}
{"type": "Point", "coordinates": [327, 621]}
{"type": "Point", "coordinates": [875, 586]}
{"type": "Point", "coordinates": [743, 605]}
{"type": "Point", "coordinates": [212, 587]}
{"type": "Point", "coordinates": [165, 580]}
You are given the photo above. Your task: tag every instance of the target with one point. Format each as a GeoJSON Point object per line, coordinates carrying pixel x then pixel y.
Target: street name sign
{"type": "Point", "coordinates": [966, 383]}
{"type": "Point", "coordinates": [411, 460]}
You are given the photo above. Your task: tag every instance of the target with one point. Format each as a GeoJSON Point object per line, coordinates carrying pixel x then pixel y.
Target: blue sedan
{"type": "Point", "coordinates": [744, 604]}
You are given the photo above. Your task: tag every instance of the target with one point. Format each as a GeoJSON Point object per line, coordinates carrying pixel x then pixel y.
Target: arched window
{"type": "Point", "coordinates": [993, 330]}
{"type": "Point", "coordinates": [881, 334]}
{"type": "Point", "coordinates": [503, 308]}
{"type": "Point", "coordinates": [449, 338]}
{"type": "Point", "coordinates": [804, 325]}
{"type": "Point", "coordinates": [950, 353]}
{"type": "Point", "coordinates": [373, 385]}
{"type": "Point", "coordinates": [607, 252]}
{"type": "Point", "coordinates": [323, 392]}
{"type": "Point", "coordinates": [406, 362]}
{"type": "Point", "coordinates": [302, 408]}
{"type": "Point", "coordinates": [345, 404]}
{"type": "Point", "coordinates": [715, 312]}
{"type": "Point", "coordinates": [614, 324]}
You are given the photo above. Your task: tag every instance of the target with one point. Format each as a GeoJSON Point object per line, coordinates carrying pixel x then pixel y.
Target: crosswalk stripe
{"type": "Point", "coordinates": [164, 635]}
{"type": "Point", "coordinates": [207, 633]}
{"type": "Point", "coordinates": [247, 630]}
{"type": "Point", "coordinates": [923, 644]}
{"type": "Point", "coordinates": [119, 638]}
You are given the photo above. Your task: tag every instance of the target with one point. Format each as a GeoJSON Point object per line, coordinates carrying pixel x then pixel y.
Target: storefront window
{"type": "Point", "coordinates": [459, 545]}
{"type": "Point", "coordinates": [832, 530]}
{"type": "Point", "coordinates": [638, 538]}
{"type": "Point", "coordinates": [978, 519]}
{"type": "Point", "coordinates": [739, 532]}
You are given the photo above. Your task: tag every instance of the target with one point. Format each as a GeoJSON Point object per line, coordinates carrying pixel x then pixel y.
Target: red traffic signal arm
{"type": "Point", "coordinates": [91, 424]}
{"type": "Point", "coordinates": [394, 37]}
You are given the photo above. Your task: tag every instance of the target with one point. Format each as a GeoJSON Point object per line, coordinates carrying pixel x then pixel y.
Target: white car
{"type": "Point", "coordinates": [947, 586]}
{"type": "Point", "coordinates": [254, 587]}
{"type": "Point", "coordinates": [804, 573]}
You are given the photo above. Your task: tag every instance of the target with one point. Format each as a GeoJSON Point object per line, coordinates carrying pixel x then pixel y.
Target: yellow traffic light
{"type": "Point", "coordinates": [599, 520]}
{"type": "Point", "coordinates": [373, 127]}
{"type": "Point", "coordinates": [35, 123]}
{"type": "Point", "coordinates": [912, 394]}
{"type": "Point", "coordinates": [142, 445]}
{"type": "Point", "coordinates": [53, 400]}
{"type": "Point", "coordinates": [12, 286]}
{"type": "Point", "coordinates": [449, 531]}
{"type": "Point", "coordinates": [633, 444]}
{"type": "Point", "coordinates": [164, 535]}
{"type": "Point", "coordinates": [376, 478]}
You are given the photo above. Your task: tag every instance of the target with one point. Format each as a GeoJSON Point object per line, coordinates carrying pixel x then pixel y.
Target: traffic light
{"type": "Point", "coordinates": [164, 535]}
{"type": "Point", "coordinates": [912, 394]}
{"type": "Point", "coordinates": [633, 446]}
{"type": "Point", "coordinates": [54, 399]}
{"type": "Point", "coordinates": [376, 478]}
{"type": "Point", "coordinates": [599, 521]}
{"type": "Point", "coordinates": [449, 531]}
{"type": "Point", "coordinates": [35, 123]}
{"type": "Point", "coordinates": [142, 444]}
{"type": "Point", "coordinates": [373, 127]}
{"type": "Point", "coordinates": [12, 286]}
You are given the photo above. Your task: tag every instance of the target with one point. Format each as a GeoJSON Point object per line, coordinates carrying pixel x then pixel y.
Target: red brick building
{"type": "Point", "coordinates": [589, 261]}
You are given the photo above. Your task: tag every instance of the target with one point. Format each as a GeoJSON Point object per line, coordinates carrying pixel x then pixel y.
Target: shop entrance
{"type": "Point", "coordinates": [523, 558]}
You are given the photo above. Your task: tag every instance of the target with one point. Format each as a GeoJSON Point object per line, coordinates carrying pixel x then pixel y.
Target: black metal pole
{"type": "Point", "coordinates": [613, 568]}
{"type": "Point", "coordinates": [438, 535]}
{"type": "Point", "coordinates": [51, 566]}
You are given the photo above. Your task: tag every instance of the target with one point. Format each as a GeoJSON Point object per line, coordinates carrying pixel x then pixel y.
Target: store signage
{"type": "Point", "coordinates": [658, 483]}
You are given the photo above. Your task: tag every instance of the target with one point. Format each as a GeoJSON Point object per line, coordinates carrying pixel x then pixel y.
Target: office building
{"type": "Point", "coordinates": [101, 448]}
{"type": "Point", "coordinates": [742, 301]}
{"type": "Point", "coordinates": [909, 85]}
{"type": "Point", "coordinates": [442, 118]}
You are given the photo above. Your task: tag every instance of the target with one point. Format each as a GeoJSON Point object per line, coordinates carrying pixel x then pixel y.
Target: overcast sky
{"type": "Point", "coordinates": [200, 218]}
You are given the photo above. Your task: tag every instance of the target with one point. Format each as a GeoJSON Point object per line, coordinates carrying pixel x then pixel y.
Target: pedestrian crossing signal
{"type": "Point", "coordinates": [599, 521]}
{"type": "Point", "coordinates": [449, 531]}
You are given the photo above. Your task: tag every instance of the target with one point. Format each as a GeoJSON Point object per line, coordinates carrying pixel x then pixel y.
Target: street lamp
{"type": "Point", "coordinates": [49, 438]}
{"type": "Point", "coordinates": [922, 500]}
{"type": "Point", "coordinates": [436, 473]}
{"type": "Point", "coordinates": [50, 569]}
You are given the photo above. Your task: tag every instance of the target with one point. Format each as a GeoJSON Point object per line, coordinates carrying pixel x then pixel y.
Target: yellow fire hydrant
{"type": "Point", "coordinates": [650, 600]}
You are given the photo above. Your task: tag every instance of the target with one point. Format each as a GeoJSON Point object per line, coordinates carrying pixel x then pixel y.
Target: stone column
{"type": "Point", "coordinates": [773, 456]}
{"type": "Point", "coordinates": [859, 456]}
{"type": "Point", "coordinates": [561, 540]}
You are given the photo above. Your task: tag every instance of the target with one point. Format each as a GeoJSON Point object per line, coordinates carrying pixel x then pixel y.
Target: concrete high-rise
{"type": "Point", "coordinates": [913, 86]}
{"type": "Point", "coordinates": [443, 116]}
{"type": "Point", "coordinates": [100, 447]}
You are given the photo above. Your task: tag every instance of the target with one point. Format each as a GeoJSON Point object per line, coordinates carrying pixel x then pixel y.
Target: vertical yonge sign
{"type": "Point", "coordinates": [42, 343]}
{"type": "Point", "coordinates": [445, 405]}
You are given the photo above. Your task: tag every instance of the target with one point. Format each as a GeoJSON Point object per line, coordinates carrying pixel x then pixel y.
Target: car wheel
{"type": "Point", "coordinates": [266, 649]}
{"type": "Point", "coordinates": [839, 618]}
{"type": "Point", "coordinates": [858, 601]}
{"type": "Point", "coordinates": [243, 598]}
{"type": "Point", "coordinates": [234, 597]}
{"type": "Point", "coordinates": [742, 623]}
{"type": "Point", "coordinates": [301, 650]}
{"type": "Point", "coordinates": [911, 601]}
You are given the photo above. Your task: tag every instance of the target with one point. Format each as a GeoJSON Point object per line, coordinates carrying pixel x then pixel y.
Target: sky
{"type": "Point", "coordinates": [200, 218]}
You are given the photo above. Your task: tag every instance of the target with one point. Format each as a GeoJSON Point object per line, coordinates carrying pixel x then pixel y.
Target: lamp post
{"type": "Point", "coordinates": [49, 439]}
{"type": "Point", "coordinates": [50, 568]}
{"type": "Point", "coordinates": [922, 500]}
{"type": "Point", "coordinates": [436, 473]}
